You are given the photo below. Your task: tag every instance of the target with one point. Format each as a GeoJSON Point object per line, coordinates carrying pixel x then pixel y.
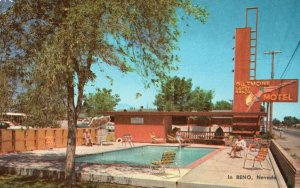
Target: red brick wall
{"type": "Point", "coordinates": [139, 133]}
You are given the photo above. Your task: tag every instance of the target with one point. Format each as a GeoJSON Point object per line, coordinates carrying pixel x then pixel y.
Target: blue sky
{"type": "Point", "coordinates": [206, 52]}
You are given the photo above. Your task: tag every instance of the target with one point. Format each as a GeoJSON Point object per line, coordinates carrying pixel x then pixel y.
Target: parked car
{"type": "Point", "coordinates": [82, 125]}
{"type": "Point", "coordinates": [6, 124]}
{"type": "Point", "coordinates": [110, 126]}
{"type": "Point", "coordinates": [18, 127]}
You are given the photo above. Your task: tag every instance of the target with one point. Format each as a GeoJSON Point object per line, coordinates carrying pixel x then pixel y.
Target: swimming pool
{"type": "Point", "coordinates": [144, 155]}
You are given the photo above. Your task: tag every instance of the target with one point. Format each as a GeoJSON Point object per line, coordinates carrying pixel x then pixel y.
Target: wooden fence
{"type": "Point", "coordinates": [202, 135]}
{"type": "Point", "coordinates": [38, 139]}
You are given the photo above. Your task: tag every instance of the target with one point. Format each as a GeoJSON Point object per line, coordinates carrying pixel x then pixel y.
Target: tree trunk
{"type": "Point", "coordinates": [70, 175]}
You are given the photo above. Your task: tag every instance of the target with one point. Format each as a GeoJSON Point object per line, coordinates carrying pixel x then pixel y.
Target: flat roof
{"type": "Point", "coordinates": [215, 114]}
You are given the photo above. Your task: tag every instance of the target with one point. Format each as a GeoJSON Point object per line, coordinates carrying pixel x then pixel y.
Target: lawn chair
{"type": "Point", "coordinates": [254, 143]}
{"type": "Point", "coordinates": [242, 153]}
{"type": "Point", "coordinates": [155, 139]}
{"type": "Point", "coordinates": [260, 156]}
{"type": "Point", "coordinates": [171, 138]}
{"type": "Point", "coordinates": [229, 141]}
{"type": "Point", "coordinates": [167, 158]}
{"type": "Point", "coordinates": [127, 138]}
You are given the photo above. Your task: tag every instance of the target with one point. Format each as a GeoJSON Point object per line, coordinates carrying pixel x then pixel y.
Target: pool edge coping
{"type": "Point", "coordinates": [194, 164]}
{"type": "Point", "coordinates": [205, 158]}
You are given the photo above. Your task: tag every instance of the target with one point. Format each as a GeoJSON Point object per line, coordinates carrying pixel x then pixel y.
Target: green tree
{"type": "Point", "coordinates": [176, 94]}
{"type": "Point", "coordinates": [45, 105]}
{"type": "Point", "coordinates": [63, 38]}
{"type": "Point", "coordinates": [43, 99]}
{"type": "Point", "coordinates": [222, 105]}
{"type": "Point", "coordinates": [9, 72]}
{"type": "Point", "coordinates": [276, 122]}
{"type": "Point", "coordinates": [290, 120]}
{"type": "Point", "coordinates": [101, 101]}
{"type": "Point", "coordinates": [200, 100]}
{"type": "Point", "coordinates": [7, 88]}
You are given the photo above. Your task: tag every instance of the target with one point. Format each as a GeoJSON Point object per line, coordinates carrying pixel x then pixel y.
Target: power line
{"type": "Point", "coordinates": [290, 60]}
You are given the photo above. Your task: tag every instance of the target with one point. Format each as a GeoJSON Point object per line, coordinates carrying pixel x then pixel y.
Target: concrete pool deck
{"type": "Point", "coordinates": [218, 170]}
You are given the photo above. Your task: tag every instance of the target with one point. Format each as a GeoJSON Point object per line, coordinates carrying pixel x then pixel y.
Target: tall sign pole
{"type": "Point", "coordinates": [272, 77]}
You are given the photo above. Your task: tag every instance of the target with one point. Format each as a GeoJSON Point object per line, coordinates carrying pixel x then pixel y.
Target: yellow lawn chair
{"type": "Point", "coordinates": [167, 159]}
{"type": "Point", "coordinates": [155, 139]}
{"type": "Point", "coordinates": [260, 156]}
{"type": "Point", "coordinates": [171, 138]}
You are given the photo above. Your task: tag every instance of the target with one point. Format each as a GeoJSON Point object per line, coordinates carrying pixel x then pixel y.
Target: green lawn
{"type": "Point", "coordinates": [12, 181]}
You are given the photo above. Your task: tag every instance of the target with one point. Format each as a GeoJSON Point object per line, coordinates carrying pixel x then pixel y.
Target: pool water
{"type": "Point", "coordinates": [144, 155]}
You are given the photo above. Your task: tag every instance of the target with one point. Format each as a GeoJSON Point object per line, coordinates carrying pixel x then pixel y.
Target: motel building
{"type": "Point", "coordinates": [199, 127]}
{"type": "Point", "coordinates": [247, 117]}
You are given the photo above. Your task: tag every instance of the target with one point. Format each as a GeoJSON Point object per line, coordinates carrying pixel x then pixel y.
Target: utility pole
{"type": "Point", "coordinates": [272, 77]}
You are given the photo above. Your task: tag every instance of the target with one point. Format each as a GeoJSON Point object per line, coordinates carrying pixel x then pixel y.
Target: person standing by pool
{"type": "Point", "coordinates": [88, 138]}
{"type": "Point", "coordinates": [178, 137]}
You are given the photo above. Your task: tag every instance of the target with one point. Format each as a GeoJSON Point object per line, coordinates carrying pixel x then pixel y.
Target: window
{"type": "Point", "coordinates": [137, 120]}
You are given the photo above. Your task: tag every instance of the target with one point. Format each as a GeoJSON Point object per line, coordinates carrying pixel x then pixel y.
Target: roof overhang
{"type": "Point", "coordinates": [187, 114]}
